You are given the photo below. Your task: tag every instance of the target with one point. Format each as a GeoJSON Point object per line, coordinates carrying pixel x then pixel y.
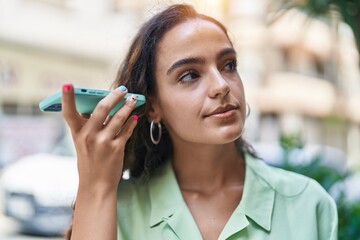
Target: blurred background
{"type": "Point", "coordinates": [299, 61]}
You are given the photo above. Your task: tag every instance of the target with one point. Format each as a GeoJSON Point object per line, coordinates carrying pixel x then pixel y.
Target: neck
{"type": "Point", "coordinates": [206, 168]}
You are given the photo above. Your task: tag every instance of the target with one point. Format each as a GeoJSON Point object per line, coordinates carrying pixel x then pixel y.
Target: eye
{"type": "Point", "coordinates": [231, 66]}
{"type": "Point", "coordinates": [188, 76]}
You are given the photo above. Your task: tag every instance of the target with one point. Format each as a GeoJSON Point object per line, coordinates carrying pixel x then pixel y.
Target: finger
{"type": "Point", "coordinates": [86, 116]}
{"type": "Point", "coordinates": [119, 118]}
{"type": "Point", "coordinates": [70, 114]}
{"type": "Point", "coordinates": [125, 133]}
{"type": "Point", "coordinates": [108, 118]}
{"type": "Point", "coordinates": [104, 107]}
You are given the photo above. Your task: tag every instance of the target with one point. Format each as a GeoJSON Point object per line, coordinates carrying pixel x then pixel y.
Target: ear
{"type": "Point", "coordinates": [153, 110]}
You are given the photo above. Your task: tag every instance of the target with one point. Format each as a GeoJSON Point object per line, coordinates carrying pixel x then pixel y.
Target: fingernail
{"type": "Point", "coordinates": [122, 88]}
{"type": "Point", "coordinates": [136, 117]}
{"type": "Point", "coordinates": [66, 87]}
{"type": "Point", "coordinates": [132, 98]}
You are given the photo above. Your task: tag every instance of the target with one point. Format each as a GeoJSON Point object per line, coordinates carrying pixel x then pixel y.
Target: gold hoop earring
{"type": "Point", "coordinates": [152, 130]}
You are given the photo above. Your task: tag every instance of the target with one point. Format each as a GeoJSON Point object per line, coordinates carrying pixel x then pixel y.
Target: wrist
{"type": "Point", "coordinates": [95, 214]}
{"type": "Point", "coordinates": [97, 190]}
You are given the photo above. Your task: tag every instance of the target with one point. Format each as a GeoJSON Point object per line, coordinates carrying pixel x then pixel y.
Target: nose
{"type": "Point", "coordinates": [218, 86]}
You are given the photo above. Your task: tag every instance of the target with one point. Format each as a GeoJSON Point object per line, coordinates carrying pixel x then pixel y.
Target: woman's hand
{"type": "Point", "coordinates": [99, 139]}
{"type": "Point", "coordinates": [100, 143]}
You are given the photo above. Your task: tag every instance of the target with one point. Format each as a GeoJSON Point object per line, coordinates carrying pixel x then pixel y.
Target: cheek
{"type": "Point", "coordinates": [238, 92]}
{"type": "Point", "coordinates": [176, 111]}
{"type": "Point", "coordinates": [181, 114]}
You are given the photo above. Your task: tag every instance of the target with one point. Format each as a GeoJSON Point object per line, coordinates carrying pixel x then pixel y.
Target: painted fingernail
{"type": "Point", "coordinates": [67, 87]}
{"type": "Point", "coordinates": [132, 98]}
{"type": "Point", "coordinates": [136, 117]}
{"type": "Point", "coordinates": [122, 88]}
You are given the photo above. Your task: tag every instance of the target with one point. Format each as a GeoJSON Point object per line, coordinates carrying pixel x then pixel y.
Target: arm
{"type": "Point", "coordinates": [332, 219]}
{"type": "Point", "coordinates": [100, 151]}
{"type": "Point", "coordinates": [95, 214]}
{"type": "Point", "coordinates": [327, 219]}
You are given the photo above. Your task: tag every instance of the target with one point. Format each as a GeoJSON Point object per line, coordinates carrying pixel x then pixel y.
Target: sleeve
{"type": "Point", "coordinates": [327, 218]}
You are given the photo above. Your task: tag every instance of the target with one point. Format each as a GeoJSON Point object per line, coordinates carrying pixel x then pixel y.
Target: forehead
{"type": "Point", "coordinates": [192, 37]}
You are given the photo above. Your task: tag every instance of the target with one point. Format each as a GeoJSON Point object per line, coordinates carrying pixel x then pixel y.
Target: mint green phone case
{"type": "Point", "coordinates": [85, 101]}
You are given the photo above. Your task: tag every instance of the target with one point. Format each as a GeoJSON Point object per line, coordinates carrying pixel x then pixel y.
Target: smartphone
{"type": "Point", "coordinates": [85, 100]}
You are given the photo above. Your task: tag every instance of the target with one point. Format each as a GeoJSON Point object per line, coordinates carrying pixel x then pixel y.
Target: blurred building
{"type": "Point", "coordinates": [301, 76]}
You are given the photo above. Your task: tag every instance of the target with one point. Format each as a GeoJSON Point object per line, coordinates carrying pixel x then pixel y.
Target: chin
{"type": "Point", "coordinates": [228, 137]}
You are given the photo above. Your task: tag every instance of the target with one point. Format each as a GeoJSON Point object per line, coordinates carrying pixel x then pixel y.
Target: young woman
{"type": "Point", "coordinates": [192, 175]}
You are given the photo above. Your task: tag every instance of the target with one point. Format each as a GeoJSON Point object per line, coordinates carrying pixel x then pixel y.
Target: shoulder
{"type": "Point", "coordinates": [286, 183]}
{"type": "Point", "coordinates": [293, 189]}
{"type": "Point", "coordinates": [132, 201]}
{"type": "Point", "coordinates": [298, 199]}
{"type": "Point", "coordinates": [131, 190]}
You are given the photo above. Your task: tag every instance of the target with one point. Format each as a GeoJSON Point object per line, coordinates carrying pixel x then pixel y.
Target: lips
{"type": "Point", "coordinates": [221, 110]}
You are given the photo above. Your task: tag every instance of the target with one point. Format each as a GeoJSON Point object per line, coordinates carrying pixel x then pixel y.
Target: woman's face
{"type": "Point", "coordinates": [200, 96]}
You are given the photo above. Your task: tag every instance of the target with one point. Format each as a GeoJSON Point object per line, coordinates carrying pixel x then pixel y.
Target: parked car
{"type": "Point", "coordinates": [39, 190]}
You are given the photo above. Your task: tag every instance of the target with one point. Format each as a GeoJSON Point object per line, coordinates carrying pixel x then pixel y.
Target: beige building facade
{"type": "Point", "coordinates": [299, 77]}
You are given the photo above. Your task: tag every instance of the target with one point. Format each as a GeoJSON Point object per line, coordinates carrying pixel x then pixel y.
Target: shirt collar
{"type": "Point", "coordinates": [259, 195]}
{"type": "Point", "coordinates": [257, 201]}
{"type": "Point", "coordinates": [165, 195]}
{"type": "Point", "coordinates": [168, 205]}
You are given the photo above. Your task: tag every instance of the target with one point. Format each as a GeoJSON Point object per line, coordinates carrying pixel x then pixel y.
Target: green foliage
{"type": "Point", "coordinates": [289, 142]}
{"type": "Point", "coordinates": [326, 176]}
{"type": "Point", "coordinates": [349, 11]}
{"type": "Point", "coordinates": [349, 220]}
{"type": "Point", "coordinates": [349, 213]}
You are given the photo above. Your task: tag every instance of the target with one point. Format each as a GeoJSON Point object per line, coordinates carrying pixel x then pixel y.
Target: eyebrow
{"type": "Point", "coordinates": [224, 52]}
{"type": "Point", "coordinates": [185, 61]}
{"type": "Point", "coordinates": [199, 60]}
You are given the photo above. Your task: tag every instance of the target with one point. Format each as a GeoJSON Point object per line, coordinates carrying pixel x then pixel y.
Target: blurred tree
{"type": "Point", "coordinates": [349, 11]}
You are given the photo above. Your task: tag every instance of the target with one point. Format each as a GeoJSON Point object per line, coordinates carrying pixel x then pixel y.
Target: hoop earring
{"type": "Point", "coordinates": [152, 129]}
{"type": "Point", "coordinates": [249, 110]}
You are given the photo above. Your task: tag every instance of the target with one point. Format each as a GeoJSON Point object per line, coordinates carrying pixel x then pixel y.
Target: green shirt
{"type": "Point", "coordinates": [276, 204]}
